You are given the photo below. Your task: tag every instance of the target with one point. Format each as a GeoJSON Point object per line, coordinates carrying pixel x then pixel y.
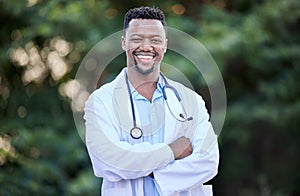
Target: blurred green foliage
{"type": "Point", "coordinates": [256, 45]}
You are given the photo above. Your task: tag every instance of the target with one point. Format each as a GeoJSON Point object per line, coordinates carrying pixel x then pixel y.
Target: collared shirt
{"type": "Point", "coordinates": [153, 131]}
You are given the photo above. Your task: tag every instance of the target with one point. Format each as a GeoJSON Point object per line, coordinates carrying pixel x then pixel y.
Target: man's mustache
{"type": "Point", "coordinates": [135, 52]}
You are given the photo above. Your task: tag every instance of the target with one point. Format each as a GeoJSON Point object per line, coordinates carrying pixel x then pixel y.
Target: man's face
{"type": "Point", "coordinates": [145, 44]}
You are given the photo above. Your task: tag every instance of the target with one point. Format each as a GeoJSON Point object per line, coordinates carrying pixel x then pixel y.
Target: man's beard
{"type": "Point", "coordinates": [143, 71]}
{"type": "Point", "coordinates": [139, 68]}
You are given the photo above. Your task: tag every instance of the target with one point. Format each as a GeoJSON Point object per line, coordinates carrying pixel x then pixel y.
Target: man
{"type": "Point", "coordinates": [145, 133]}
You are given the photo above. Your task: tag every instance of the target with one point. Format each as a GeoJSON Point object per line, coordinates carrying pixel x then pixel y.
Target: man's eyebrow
{"type": "Point", "coordinates": [142, 35]}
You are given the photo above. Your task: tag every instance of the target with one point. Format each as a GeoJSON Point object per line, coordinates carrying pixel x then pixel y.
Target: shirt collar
{"type": "Point", "coordinates": [157, 93]}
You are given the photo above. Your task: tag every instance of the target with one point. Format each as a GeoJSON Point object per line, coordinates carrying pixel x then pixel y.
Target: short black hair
{"type": "Point", "coordinates": [144, 13]}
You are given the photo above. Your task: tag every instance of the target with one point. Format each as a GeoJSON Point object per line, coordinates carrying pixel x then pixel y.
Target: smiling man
{"type": "Point", "coordinates": [145, 44]}
{"type": "Point", "coordinates": [144, 132]}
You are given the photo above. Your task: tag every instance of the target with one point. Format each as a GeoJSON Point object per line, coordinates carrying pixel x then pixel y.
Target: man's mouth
{"type": "Point", "coordinates": [145, 56]}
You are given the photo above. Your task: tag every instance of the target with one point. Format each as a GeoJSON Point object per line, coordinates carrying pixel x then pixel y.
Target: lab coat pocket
{"type": "Point", "coordinates": [183, 129]}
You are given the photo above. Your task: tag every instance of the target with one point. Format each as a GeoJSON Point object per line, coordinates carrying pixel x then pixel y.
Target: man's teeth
{"type": "Point", "coordinates": [145, 57]}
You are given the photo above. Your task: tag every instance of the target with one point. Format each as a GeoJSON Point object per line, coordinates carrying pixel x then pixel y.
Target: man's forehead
{"type": "Point", "coordinates": [145, 26]}
{"type": "Point", "coordinates": [145, 23]}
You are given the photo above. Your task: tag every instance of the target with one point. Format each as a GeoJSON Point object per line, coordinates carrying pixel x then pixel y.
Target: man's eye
{"type": "Point", "coordinates": [136, 40]}
{"type": "Point", "coordinates": [157, 41]}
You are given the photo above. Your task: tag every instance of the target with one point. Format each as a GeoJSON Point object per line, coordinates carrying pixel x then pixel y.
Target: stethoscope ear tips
{"type": "Point", "coordinates": [189, 118]}
{"type": "Point", "coordinates": [186, 119]}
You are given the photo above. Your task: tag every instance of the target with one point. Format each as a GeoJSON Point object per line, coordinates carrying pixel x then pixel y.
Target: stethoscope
{"type": "Point", "coordinates": [136, 132]}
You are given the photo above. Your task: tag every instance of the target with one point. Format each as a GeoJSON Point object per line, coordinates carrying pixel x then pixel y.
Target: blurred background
{"type": "Point", "coordinates": [256, 45]}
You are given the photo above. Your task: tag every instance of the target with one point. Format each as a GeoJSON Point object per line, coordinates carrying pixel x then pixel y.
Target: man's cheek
{"type": "Point", "coordinates": [129, 53]}
{"type": "Point", "coordinates": [160, 56]}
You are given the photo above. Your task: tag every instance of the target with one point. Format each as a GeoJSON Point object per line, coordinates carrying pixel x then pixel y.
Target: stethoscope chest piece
{"type": "Point", "coordinates": [136, 133]}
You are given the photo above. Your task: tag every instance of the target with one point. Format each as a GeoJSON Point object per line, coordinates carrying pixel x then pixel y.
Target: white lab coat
{"type": "Point", "coordinates": [122, 161]}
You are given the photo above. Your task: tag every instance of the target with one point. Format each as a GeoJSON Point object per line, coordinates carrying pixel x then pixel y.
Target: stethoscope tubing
{"type": "Point", "coordinates": [131, 100]}
{"type": "Point", "coordinates": [137, 132]}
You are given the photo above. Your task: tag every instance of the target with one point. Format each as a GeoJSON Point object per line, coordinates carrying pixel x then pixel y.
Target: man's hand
{"type": "Point", "coordinates": [181, 147]}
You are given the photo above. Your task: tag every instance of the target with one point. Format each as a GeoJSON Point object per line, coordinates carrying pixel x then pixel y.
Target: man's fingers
{"type": "Point", "coordinates": [181, 147]}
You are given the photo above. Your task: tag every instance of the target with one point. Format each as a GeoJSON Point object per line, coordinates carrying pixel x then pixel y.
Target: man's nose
{"type": "Point", "coordinates": [146, 45]}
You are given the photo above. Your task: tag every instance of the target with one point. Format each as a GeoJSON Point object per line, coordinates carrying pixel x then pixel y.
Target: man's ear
{"type": "Point", "coordinates": [123, 43]}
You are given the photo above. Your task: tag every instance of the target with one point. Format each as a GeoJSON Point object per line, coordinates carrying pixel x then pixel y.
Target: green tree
{"type": "Point", "coordinates": [255, 44]}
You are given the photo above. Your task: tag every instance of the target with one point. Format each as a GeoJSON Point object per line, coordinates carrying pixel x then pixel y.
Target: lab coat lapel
{"type": "Point", "coordinates": [122, 105]}
{"type": "Point", "coordinates": [173, 127]}
{"type": "Point", "coordinates": [171, 124]}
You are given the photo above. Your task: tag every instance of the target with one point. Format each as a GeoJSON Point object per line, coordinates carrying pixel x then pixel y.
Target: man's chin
{"type": "Point", "coordinates": [144, 71]}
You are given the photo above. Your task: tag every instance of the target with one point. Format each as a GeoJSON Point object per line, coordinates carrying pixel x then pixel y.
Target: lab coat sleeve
{"type": "Point", "coordinates": [112, 158]}
{"type": "Point", "coordinates": [199, 167]}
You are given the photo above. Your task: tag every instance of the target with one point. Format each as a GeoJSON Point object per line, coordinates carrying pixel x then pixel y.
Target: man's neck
{"type": "Point", "coordinates": [144, 84]}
